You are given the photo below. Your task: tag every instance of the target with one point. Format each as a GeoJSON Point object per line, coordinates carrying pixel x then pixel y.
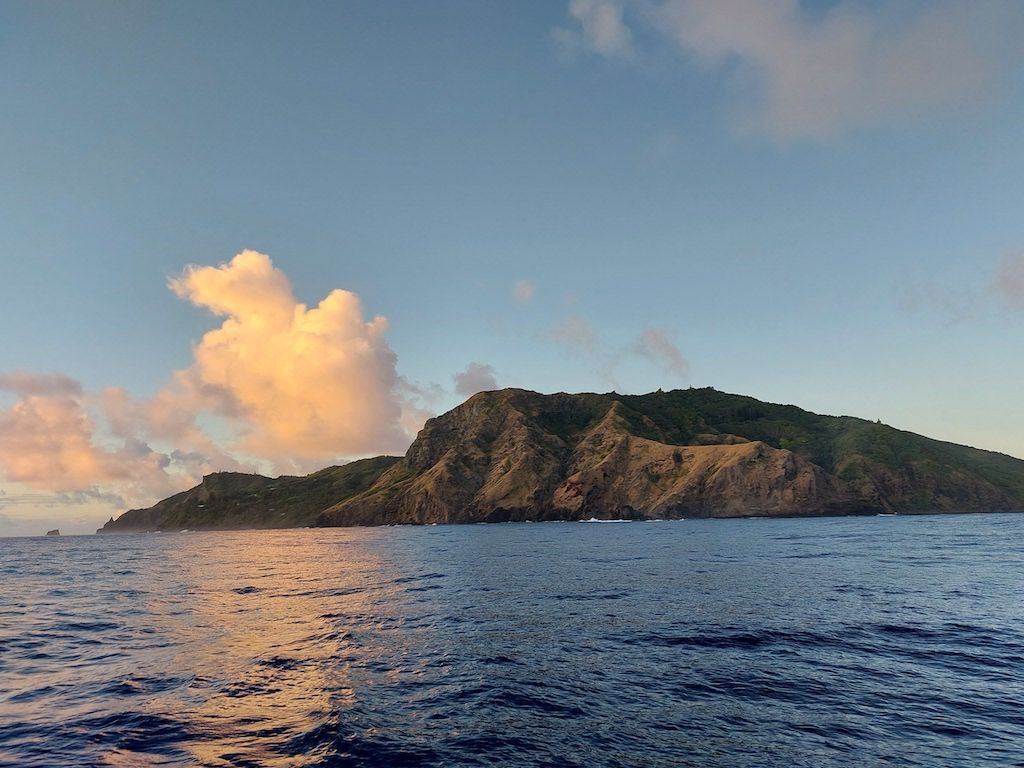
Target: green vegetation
{"type": "Point", "coordinates": [234, 500]}
{"type": "Point", "coordinates": [930, 458]}
{"type": "Point", "coordinates": [566, 416]}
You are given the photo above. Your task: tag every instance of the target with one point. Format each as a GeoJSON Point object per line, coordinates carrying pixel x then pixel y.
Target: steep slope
{"type": "Point", "coordinates": [518, 455]}
{"type": "Point", "coordinates": [227, 500]}
{"type": "Point", "coordinates": [902, 471]}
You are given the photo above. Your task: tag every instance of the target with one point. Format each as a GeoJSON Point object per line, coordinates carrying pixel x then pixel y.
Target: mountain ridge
{"type": "Point", "coordinates": [514, 454]}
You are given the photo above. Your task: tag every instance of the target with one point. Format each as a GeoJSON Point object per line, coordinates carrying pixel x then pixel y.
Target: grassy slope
{"type": "Point", "coordinates": [247, 501]}
{"type": "Point", "coordinates": [842, 445]}
{"type": "Point", "coordinates": [849, 447]}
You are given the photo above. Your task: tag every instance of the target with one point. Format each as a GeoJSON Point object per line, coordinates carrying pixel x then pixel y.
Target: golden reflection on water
{"type": "Point", "coordinates": [251, 618]}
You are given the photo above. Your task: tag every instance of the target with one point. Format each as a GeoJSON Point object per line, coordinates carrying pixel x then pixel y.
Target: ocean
{"type": "Point", "coordinates": [751, 642]}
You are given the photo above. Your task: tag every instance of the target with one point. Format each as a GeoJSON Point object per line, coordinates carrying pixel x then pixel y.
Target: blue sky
{"type": "Point", "coordinates": [817, 203]}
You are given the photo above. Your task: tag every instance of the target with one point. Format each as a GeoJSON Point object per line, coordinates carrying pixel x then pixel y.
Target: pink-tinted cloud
{"type": "Point", "coordinates": [477, 377]}
{"type": "Point", "coordinates": [578, 337]}
{"type": "Point", "coordinates": [796, 72]}
{"type": "Point", "coordinates": [50, 440]}
{"type": "Point", "coordinates": [27, 383]}
{"type": "Point", "coordinates": [1008, 284]}
{"type": "Point", "coordinates": [659, 347]}
{"type": "Point", "coordinates": [971, 301]}
{"type": "Point", "coordinates": [575, 334]}
{"type": "Point", "coordinates": [523, 291]}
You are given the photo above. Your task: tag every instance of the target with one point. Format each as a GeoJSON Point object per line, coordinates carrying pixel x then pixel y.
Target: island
{"type": "Point", "coordinates": [517, 455]}
{"type": "Point", "coordinates": [54, 532]}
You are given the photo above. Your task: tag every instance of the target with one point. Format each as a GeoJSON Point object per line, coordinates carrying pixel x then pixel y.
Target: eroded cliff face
{"type": "Point", "coordinates": [519, 455]}
{"type": "Point", "coordinates": [614, 473]}
{"type": "Point", "coordinates": [516, 455]}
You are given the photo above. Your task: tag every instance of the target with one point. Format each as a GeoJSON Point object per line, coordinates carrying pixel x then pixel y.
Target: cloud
{"type": "Point", "coordinates": [601, 28]}
{"type": "Point", "coordinates": [574, 333]}
{"type": "Point", "coordinates": [476, 378]}
{"type": "Point", "coordinates": [170, 418]}
{"type": "Point", "coordinates": [658, 346]}
{"type": "Point", "coordinates": [654, 344]}
{"type": "Point", "coordinates": [49, 440]}
{"type": "Point", "coordinates": [277, 383]}
{"type": "Point", "coordinates": [419, 402]}
{"type": "Point", "coordinates": [303, 384]}
{"type": "Point", "coordinates": [663, 145]}
{"type": "Point", "coordinates": [26, 383]}
{"type": "Point", "coordinates": [795, 72]}
{"type": "Point", "coordinates": [1008, 283]}
{"type": "Point", "coordinates": [970, 300]}
{"type": "Point", "coordinates": [523, 291]}
{"type": "Point", "coordinates": [953, 305]}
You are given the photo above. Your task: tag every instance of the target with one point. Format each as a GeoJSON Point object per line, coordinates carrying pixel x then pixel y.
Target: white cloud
{"type": "Point", "coordinates": [523, 291]}
{"type": "Point", "coordinates": [601, 28]}
{"type": "Point", "coordinates": [294, 387]}
{"type": "Point", "coordinates": [794, 72]}
{"type": "Point", "coordinates": [477, 377]}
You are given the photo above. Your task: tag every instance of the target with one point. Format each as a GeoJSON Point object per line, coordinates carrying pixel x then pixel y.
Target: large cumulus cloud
{"type": "Point", "coordinates": [302, 384]}
{"type": "Point", "coordinates": [277, 386]}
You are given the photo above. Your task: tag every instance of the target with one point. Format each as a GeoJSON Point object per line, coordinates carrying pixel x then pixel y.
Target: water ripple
{"type": "Point", "coordinates": [787, 643]}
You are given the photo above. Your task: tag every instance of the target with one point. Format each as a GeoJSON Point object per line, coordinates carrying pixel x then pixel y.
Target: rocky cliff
{"type": "Point", "coordinates": [519, 455]}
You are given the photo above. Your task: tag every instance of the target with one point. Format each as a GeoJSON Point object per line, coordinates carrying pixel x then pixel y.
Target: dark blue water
{"type": "Point", "coordinates": [856, 641]}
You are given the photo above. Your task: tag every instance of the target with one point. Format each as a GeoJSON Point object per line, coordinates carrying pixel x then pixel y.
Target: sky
{"type": "Point", "coordinates": [265, 236]}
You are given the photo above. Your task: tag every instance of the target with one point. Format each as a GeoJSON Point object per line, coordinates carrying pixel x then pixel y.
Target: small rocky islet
{"type": "Point", "coordinates": [517, 455]}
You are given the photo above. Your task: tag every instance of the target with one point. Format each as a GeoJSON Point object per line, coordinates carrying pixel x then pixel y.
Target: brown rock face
{"type": "Point", "coordinates": [617, 474]}
{"type": "Point", "coordinates": [518, 455]}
